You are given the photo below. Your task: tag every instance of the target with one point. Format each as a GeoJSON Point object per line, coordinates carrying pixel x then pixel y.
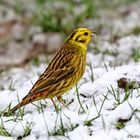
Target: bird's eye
{"type": "Point", "coordinates": [86, 33]}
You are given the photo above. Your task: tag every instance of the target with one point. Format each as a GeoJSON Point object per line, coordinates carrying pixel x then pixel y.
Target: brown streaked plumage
{"type": "Point", "coordinates": [63, 72]}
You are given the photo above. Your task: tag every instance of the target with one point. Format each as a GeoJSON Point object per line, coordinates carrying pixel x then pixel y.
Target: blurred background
{"type": "Point", "coordinates": [32, 31]}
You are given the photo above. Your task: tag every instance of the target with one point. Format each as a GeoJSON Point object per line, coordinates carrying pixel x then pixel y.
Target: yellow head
{"type": "Point", "coordinates": [81, 37]}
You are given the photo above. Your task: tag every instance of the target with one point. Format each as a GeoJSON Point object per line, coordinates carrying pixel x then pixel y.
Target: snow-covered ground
{"type": "Point", "coordinates": [104, 105]}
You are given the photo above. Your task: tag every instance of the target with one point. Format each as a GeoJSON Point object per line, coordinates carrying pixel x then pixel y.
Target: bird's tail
{"type": "Point", "coordinates": [26, 100]}
{"type": "Point", "coordinates": [12, 111]}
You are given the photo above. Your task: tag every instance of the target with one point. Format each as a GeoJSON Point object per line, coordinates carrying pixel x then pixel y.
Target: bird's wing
{"type": "Point", "coordinates": [56, 77]}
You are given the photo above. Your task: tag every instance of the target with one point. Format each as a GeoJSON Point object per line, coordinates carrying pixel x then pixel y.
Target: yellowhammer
{"type": "Point", "coordinates": [63, 72]}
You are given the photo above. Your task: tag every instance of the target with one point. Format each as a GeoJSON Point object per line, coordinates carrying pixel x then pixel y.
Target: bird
{"type": "Point", "coordinates": [63, 72]}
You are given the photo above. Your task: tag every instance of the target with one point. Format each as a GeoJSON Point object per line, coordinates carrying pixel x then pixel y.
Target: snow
{"type": "Point", "coordinates": [73, 118]}
{"type": "Point", "coordinates": [5, 138]}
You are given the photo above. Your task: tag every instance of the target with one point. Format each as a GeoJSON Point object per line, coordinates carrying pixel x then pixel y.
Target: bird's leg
{"type": "Point", "coordinates": [56, 108]}
{"type": "Point", "coordinates": [60, 99]}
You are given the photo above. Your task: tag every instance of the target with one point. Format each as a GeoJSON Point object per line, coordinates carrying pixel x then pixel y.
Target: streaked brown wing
{"type": "Point", "coordinates": [60, 68]}
{"type": "Point", "coordinates": [57, 77]}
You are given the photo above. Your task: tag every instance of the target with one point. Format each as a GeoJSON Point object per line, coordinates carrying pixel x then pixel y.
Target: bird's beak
{"type": "Point", "coordinates": [93, 33]}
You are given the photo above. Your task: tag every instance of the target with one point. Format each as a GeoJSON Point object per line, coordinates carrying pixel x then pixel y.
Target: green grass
{"type": "Point", "coordinates": [116, 94]}
{"type": "Point", "coordinates": [119, 96]}
{"type": "Point", "coordinates": [91, 71]}
{"type": "Point", "coordinates": [52, 19]}
{"type": "Point", "coordinates": [136, 30]}
{"type": "Point", "coordinates": [11, 86]}
{"type": "Point", "coordinates": [17, 114]}
{"type": "Point", "coordinates": [134, 112]}
{"type": "Point", "coordinates": [90, 121]}
{"type": "Point", "coordinates": [49, 22]}
{"type": "Point", "coordinates": [35, 61]}
{"type": "Point", "coordinates": [62, 129]}
{"type": "Point", "coordinates": [27, 130]}
{"type": "Point", "coordinates": [79, 101]}
{"type": "Point", "coordinates": [120, 124]}
{"type": "Point", "coordinates": [136, 54]}
{"type": "Point", "coordinates": [3, 131]}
